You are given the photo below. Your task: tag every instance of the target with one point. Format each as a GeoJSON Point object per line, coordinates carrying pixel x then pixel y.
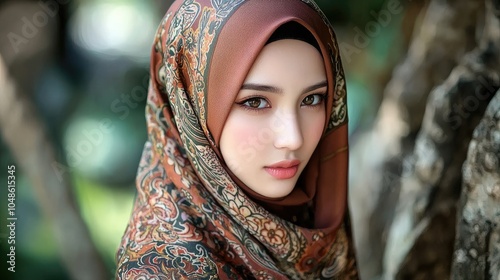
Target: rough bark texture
{"type": "Point", "coordinates": [421, 237]}
{"type": "Point", "coordinates": [413, 156]}
{"type": "Point", "coordinates": [477, 245]}
{"type": "Point", "coordinates": [379, 154]}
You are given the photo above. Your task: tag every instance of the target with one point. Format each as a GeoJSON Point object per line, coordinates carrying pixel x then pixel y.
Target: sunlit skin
{"type": "Point", "coordinates": [277, 119]}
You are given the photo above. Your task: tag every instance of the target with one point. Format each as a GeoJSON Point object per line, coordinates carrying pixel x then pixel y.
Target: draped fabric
{"type": "Point", "coordinates": [191, 218]}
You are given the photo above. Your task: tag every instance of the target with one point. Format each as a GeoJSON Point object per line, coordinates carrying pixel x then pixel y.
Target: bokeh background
{"type": "Point", "coordinates": [82, 68]}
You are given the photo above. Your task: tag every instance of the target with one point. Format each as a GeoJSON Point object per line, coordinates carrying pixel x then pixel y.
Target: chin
{"type": "Point", "coordinates": [285, 188]}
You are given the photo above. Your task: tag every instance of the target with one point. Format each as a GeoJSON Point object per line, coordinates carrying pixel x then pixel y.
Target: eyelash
{"type": "Point", "coordinates": [322, 96]}
{"type": "Point", "coordinates": [248, 107]}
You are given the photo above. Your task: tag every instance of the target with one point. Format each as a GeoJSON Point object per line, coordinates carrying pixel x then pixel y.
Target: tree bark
{"type": "Point", "coordinates": [445, 34]}
{"type": "Point", "coordinates": [421, 237]}
{"type": "Point", "coordinates": [477, 244]}
{"type": "Point", "coordinates": [414, 154]}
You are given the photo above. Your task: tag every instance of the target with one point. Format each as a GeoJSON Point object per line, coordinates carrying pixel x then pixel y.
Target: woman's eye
{"type": "Point", "coordinates": [255, 103]}
{"type": "Point", "coordinates": [313, 99]}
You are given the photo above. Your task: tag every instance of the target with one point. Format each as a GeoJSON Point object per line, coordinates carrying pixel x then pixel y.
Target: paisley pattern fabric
{"type": "Point", "coordinates": [191, 220]}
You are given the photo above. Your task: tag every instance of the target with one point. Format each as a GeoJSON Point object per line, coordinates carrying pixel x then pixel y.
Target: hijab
{"type": "Point", "coordinates": [192, 218]}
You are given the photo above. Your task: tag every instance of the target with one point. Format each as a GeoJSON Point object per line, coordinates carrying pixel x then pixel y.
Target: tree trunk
{"type": "Point", "coordinates": [477, 245]}
{"type": "Point", "coordinates": [413, 156]}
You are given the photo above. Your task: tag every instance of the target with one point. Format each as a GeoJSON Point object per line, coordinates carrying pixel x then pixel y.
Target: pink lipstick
{"type": "Point", "coordinates": [284, 169]}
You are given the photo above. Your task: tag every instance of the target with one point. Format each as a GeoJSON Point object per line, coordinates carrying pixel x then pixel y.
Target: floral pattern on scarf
{"type": "Point", "coordinates": [190, 219]}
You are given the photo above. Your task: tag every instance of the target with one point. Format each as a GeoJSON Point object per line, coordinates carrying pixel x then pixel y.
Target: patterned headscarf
{"type": "Point", "coordinates": [192, 218]}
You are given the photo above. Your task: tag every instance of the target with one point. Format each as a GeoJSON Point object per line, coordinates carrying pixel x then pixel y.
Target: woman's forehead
{"type": "Point", "coordinates": [288, 64]}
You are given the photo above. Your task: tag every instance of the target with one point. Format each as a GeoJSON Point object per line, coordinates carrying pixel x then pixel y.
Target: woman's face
{"type": "Point", "coordinates": [277, 119]}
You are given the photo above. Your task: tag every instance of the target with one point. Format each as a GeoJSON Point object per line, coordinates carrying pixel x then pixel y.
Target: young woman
{"type": "Point", "coordinates": [244, 174]}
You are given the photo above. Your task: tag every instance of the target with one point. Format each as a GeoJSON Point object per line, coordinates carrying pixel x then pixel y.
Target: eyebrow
{"type": "Point", "coordinates": [274, 89]}
{"type": "Point", "coordinates": [315, 86]}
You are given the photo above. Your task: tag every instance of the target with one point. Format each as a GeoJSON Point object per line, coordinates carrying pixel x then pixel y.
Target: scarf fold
{"type": "Point", "coordinates": [192, 219]}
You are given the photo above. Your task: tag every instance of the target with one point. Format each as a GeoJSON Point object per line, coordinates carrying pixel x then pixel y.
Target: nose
{"type": "Point", "coordinates": [288, 132]}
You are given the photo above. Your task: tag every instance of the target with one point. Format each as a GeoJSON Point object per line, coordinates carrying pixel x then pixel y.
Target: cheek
{"type": "Point", "coordinates": [238, 130]}
{"type": "Point", "coordinates": [239, 141]}
{"type": "Point", "coordinates": [313, 129]}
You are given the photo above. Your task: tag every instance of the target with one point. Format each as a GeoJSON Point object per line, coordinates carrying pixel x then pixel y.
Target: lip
{"type": "Point", "coordinates": [285, 169]}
